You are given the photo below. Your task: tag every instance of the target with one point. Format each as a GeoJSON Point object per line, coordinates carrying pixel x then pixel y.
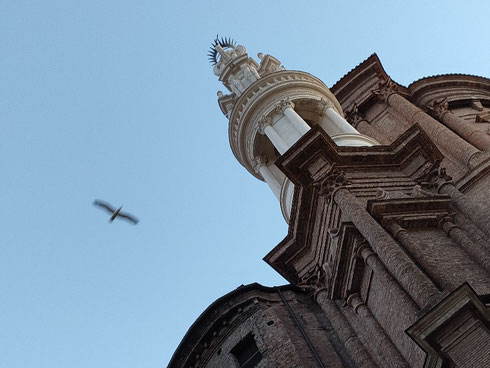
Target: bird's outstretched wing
{"type": "Point", "coordinates": [104, 205]}
{"type": "Point", "coordinates": [128, 217]}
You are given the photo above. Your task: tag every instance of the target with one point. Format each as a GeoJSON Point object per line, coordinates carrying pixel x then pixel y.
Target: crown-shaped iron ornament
{"type": "Point", "coordinates": [223, 43]}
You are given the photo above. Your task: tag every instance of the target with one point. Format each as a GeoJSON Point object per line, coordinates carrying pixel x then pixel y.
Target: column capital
{"type": "Point", "coordinates": [438, 108]}
{"type": "Point", "coordinates": [283, 105]}
{"type": "Point", "coordinates": [263, 123]}
{"type": "Point", "coordinates": [318, 281]}
{"type": "Point", "coordinates": [332, 180]}
{"type": "Point", "coordinates": [433, 178]}
{"type": "Point", "coordinates": [322, 105]}
{"type": "Point", "coordinates": [354, 116]}
{"type": "Point", "coordinates": [385, 89]}
{"type": "Point", "coordinates": [258, 162]}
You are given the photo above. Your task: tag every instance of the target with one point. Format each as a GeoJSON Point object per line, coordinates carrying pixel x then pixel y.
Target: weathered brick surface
{"type": "Point", "coordinates": [276, 333]}
{"type": "Point", "coordinates": [392, 313]}
{"type": "Point", "coordinates": [338, 248]}
{"type": "Point", "coordinates": [446, 262]}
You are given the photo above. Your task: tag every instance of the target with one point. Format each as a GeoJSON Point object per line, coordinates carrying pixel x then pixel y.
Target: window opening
{"type": "Point", "coordinates": [247, 353]}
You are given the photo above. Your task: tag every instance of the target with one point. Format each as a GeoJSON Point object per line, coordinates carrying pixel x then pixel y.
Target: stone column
{"type": "Point", "coordinates": [459, 149]}
{"type": "Point", "coordinates": [477, 213]}
{"type": "Point", "coordinates": [372, 260]}
{"type": "Point", "coordinates": [476, 252]}
{"type": "Point", "coordinates": [341, 132]}
{"type": "Point", "coordinates": [345, 332]}
{"type": "Point", "coordinates": [287, 108]}
{"type": "Point", "coordinates": [260, 167]}
{"type": "Point", "coordinates": [403, 236]}
{"type": "Point", "coordinates": [339, 124]}
{"type": "Point", "coordinates": [435, 179]}
{"type": "Point", "coordinates": [287, 123]}
{"type": "Point", "coordinates": [380, 339]}
{"type": "Point", "coordinates": [469, 132]}
{"type": "Point", "coordinates": [265, 127]}
{"type": "Point", "coordinates": [399, 264]}
{"type": "Point", "coordinates": [415, 282]}
{"type": "Point", "coordinates": [360, 123]}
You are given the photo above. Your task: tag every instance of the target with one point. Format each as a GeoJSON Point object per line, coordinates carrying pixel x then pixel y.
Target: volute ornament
{"type": "Point", "coordinates": [323, 105]}
{"type": "Point", "coordinates": [318, 280]}
{"type": "Point", "coordinates": [332, 180]}
{"type": "Point", "coordinates": [385, 89]}
{"type": "Point", "coordinates": [264, 122]}
{"type": "Point", "coordinates": [258, 162]}
{"type": "Point", "coordinates": [283, 105]}
{"type": "Point", "coordinates": [438, 107]}
{"type": "Point", "coordinates": [433, 177]}
{"type": "Point", "coordinates": [354, 116]}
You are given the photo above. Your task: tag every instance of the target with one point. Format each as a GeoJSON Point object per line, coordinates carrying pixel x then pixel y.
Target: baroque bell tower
{"type": "Point", "coordinates": [385, 191]}
{"type": "Point", "coordinates": [270, 109]}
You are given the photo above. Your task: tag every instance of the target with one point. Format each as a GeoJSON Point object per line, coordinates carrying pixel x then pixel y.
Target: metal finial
{"type": "Point", "coordinates": [225, 43]}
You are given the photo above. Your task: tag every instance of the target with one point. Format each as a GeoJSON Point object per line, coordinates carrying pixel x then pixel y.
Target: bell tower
{"type": "Point", "coordinates": [270, 108]}
{"type": "Point", "coordinates": [387, 252]}
{"type": "Point", "coordinates": [390, 240]}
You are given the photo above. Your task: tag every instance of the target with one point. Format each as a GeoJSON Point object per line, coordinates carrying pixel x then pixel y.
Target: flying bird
{"type": "Point", "coordinates": [116, 212]}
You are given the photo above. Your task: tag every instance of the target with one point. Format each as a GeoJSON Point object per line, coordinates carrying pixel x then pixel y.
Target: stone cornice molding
{"type": "Point", "coordinates": [443, 317]}
{"type": "Point", "coordinates": [473, 177]}
{"type": "Point", "coordinates": [454, 87]}
{"type": "Point", "coordinates": [310, 161]}
{"type": "Point", "coordinates": [357, 85]}
{"type": "Point", "coordinates": [397, 214]}
{"type": "Point", "coordinates": [220, 319]}
{"type": "Point", "coordinates": [261, 98]}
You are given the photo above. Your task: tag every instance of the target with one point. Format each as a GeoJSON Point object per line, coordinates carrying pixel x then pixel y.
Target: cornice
{"type": "Point", "coordinates": [443, 317]}
{"type": "Point", "coordinates": [473, 177]}
{"type": "Point", "coordinates": [372, 60]}
{"type": "Point", "coordinates": [446, 76]}
{"type": "Point", "coordinates": [312, 159]}
{"type": "Point", "coordinates": [419, 212]}
{"type": "Point", "coordinates": [220, 319]}
{"type": "Point", "coordinates": [355, 87]}
{"type": "Point", "coordinates": [454, 87]}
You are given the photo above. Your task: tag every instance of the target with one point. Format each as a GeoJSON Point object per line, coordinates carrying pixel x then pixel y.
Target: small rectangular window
{"type": "Point", "coordinates": [247, 353]}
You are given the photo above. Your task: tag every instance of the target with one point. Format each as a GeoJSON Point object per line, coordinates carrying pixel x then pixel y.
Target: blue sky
{"type": "Point", "coordinates": [116, 100]}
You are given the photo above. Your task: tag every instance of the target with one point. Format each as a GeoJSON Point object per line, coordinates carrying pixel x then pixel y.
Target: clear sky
{"type": "Point", "coordinates": [116, 100]}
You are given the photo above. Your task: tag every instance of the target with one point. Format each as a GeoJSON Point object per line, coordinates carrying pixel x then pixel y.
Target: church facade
{"type": "Point", "coordinates": [386, 192]}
